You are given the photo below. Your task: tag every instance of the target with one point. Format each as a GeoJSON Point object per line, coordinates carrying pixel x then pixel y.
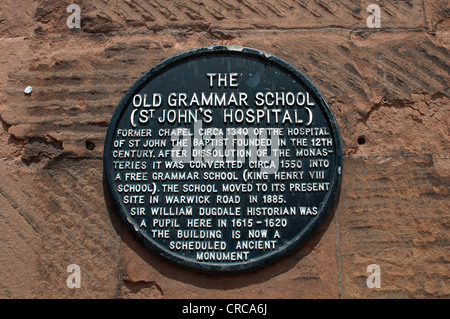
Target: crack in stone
{"type": "Point", "coordinates": [133, 288]}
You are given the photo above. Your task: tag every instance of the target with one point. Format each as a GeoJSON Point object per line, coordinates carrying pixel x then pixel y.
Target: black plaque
{"type": "Point", "coordinates": [223, 159]}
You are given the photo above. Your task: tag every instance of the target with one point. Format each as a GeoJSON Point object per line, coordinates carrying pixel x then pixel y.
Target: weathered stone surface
{"type": "Point", "coordinates": [394, 213]}
{"type": "Point", "coordinates": [437, 13]}
{"type": "Point", "coordinates": [16, 18]}
{"type": "Point", "coordinates": [50, 218]}
{"type": "Point", "coordinates": [388, 88]}
{"type": "Point", "coordinates": [140, 16]}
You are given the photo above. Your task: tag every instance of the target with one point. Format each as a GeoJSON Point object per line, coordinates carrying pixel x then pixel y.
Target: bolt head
{"type": "Point", "coordinates": [28, 90]}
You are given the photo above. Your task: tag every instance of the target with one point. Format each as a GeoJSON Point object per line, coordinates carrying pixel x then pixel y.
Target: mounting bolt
{"type": "Point", "coordinates": [28, 90]}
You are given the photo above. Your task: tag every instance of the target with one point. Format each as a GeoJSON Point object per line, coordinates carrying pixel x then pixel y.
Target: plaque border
{"type": "Point", "coordinates": [272, 257]}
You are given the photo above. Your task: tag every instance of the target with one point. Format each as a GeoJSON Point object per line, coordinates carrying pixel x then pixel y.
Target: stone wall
{"type": "Point", "coordinates": [388, 88]}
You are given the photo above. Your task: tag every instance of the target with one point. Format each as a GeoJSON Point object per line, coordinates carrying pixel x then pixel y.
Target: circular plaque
{"type": "Point", "coordinates": [223, 159]}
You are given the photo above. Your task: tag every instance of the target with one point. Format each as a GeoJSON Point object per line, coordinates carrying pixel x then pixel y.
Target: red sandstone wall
{"type": "Point", "coordinates": [389, 86]}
